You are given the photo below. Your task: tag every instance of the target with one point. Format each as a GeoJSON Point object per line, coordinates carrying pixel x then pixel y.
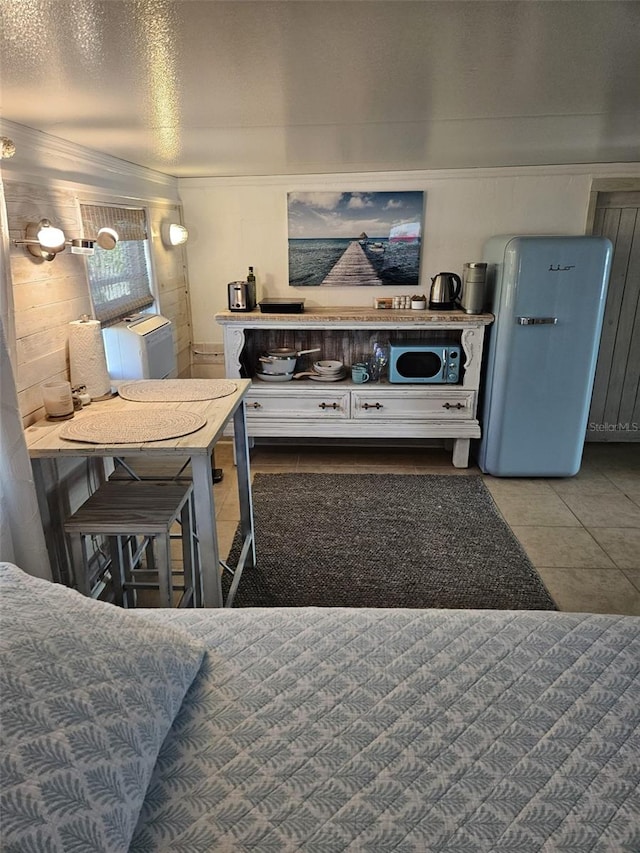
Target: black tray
{"type": "Point", "coordinates": [282, 306]}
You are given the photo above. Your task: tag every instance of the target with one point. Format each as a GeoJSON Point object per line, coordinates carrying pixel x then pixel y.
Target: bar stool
{"type": "Point", "coordinates": [136, 517]}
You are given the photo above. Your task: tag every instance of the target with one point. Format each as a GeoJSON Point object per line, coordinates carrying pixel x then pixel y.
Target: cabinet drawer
{"type": "Point", "coordinates": [303, 404]}
{"type": "Point", "coordinates": [446, 404]}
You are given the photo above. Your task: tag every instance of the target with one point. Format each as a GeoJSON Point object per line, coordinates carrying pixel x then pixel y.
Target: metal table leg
{"type": "Point", "coordinates": [241, 449]}
{"type": "Point", "coordinates": [205, 512]}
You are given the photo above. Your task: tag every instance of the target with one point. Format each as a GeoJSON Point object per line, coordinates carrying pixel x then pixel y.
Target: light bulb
{"type": "Point", "coordinates": [175, 234]}
{"type": "Point", "coordinates": [51, 239]}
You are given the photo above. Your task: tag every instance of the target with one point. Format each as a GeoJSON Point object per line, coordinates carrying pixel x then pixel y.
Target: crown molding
{"type": "Point", "coordinates": [44, 156]}
{"type": "Point", "coordinates": [415, 178]}
{"type": "Point", "coordinates": [41, 155]}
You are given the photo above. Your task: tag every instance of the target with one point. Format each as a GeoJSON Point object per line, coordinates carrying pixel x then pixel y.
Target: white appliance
{"type": "Point", "coordinates": [140, 347]}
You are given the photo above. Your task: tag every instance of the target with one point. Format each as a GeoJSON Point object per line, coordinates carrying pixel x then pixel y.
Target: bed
{"type": "Point", "coordinates": [315, 729]}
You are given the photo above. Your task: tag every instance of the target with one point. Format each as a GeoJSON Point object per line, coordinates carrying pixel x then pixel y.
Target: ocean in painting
{"type": "Point", "coordinates": [310, 260]}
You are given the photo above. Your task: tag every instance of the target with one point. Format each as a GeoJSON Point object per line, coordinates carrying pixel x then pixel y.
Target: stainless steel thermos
{"type": "Point", "coordinates": [242, 294]}
{"type": "Point", "coordinates": [474, 278]}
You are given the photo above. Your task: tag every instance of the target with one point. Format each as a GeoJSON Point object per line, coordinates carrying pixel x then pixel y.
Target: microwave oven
{"type": "Point", "coordinates": [424, 363]}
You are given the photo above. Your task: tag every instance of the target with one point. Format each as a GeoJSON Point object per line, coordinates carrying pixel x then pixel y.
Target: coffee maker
{"type": "Point", "coordinates": [473, 288]}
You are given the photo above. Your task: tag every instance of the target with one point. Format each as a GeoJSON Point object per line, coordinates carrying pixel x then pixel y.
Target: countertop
{"type": "Point", "coordinates": [355, 315]}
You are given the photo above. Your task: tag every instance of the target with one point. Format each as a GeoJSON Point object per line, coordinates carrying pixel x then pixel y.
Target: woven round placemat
{"type": "Point", "coordinates": [153, 424]}
{"type": "Point", "coordinates": [175, 390]}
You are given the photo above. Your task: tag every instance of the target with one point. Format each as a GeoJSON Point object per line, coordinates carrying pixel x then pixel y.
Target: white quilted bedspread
{"type": "Point", "coordinates": [402, 730]}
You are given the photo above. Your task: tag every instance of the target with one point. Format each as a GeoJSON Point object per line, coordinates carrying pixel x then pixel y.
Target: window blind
{"type": "Point", "coordinates": [119, 278]}
{"type": "Point", "coordinates": [129, 222]}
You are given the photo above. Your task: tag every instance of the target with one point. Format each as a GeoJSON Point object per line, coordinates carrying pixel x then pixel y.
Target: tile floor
{"type": "Point", "coordinates": [581, 533]}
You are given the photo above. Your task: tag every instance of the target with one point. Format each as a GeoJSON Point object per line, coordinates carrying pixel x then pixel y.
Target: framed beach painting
{"type": "Point", "coordinates": [361, 239]}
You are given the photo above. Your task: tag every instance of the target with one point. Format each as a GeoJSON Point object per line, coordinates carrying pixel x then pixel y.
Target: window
{"type": "Point", "coordinates": [119, 279]}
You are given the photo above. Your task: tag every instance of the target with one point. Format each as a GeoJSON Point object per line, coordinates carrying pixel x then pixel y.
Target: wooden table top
{"type": "Point", "coordinates": [44, 441]}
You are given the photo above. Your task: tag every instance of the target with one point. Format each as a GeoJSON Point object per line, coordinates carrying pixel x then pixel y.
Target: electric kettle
{"type": "Point", "coordinates": [445, 289]}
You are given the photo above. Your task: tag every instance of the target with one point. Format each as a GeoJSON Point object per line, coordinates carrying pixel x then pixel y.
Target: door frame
{"type": "Point", "coordinates": [607, 185]}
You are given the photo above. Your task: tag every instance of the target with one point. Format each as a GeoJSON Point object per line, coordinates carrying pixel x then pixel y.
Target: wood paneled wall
{"type": "Point", "coordinates": [48, 295]}
{"type": "Point", "coordinates": [172, 282]}
{"type": "Point", "coordinates": [615, 404]}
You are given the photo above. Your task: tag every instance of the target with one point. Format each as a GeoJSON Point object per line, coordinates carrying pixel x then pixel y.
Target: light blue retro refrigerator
{"type": "Point", "coordinates": [548, 297]}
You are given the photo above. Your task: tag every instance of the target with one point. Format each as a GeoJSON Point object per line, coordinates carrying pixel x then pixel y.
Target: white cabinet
{"type": "Point", "coordinates": [303, 408]}
{"type": "Point", "coordinates": [382, 402]}
{"type": "Point", "coordinates": [293, 403]}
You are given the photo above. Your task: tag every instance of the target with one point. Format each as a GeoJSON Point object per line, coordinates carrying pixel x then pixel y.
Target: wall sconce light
{"type": "Point", "coordinates": [174, 234]}
{"type": "Point", "coordinates": [44, 241]}
{"type": "Point", "coordinates": [7, 148]}
{"type": "Point", "coordinates": [107, 238]}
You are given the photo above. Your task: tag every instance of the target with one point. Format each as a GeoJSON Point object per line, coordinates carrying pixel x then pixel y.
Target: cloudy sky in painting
{"type": "Point", "coordinates": [346, 214]}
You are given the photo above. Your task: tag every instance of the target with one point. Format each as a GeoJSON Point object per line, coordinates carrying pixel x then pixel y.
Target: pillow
{"type": "Point", "coordinates": [88, 693]}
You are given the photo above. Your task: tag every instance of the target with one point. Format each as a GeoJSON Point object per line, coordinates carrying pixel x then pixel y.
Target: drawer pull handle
{"type": "Point", "coordinates": [537, 321]}
{"type": "Point", "coordinates": [328, 406]}
{"type": "Point", "coordinates": [453, 405]}
{"type": "Point", "coordinates": [255, 405]}
{"type": "Point", "coordinates": [372, 406]}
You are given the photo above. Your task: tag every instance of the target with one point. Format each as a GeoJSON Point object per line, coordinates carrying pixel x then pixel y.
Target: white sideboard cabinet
{"type": "Point", "coordinates": [310, 409]}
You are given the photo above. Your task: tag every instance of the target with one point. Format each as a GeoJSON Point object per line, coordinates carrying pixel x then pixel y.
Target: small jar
{"type": "Point", "coordinates": [80, 391]}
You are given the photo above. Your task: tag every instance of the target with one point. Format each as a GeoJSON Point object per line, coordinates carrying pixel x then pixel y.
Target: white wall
{"type": "Point", "coordinates": [234, 222]}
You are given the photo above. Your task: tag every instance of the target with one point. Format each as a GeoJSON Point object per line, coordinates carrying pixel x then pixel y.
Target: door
{"type": "Point", "coordinates": [615, 404]}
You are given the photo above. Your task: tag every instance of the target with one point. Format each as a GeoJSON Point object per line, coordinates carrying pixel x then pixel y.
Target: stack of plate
{"type": "Point", "coordinates": [328, 371]}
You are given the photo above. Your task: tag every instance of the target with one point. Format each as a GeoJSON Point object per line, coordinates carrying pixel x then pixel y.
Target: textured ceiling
{"type": "Point", "coordinates": [201, 87]}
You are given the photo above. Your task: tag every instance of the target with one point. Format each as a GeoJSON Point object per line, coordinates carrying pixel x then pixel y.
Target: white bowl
{"type": "Point", "coordinates": [328, 366]}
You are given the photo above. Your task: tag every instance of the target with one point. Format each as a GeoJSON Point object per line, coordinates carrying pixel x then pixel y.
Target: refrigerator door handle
{"type": "Point", "coordinates": [536, 321]}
